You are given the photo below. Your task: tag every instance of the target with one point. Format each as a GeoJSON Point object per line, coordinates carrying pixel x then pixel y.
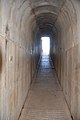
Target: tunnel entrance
{"type": "Point", "coordinates": [45, 45]}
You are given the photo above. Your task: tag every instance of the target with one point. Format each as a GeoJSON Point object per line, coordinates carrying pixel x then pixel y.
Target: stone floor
{"type": "Point", "coordinates": [45, 99]}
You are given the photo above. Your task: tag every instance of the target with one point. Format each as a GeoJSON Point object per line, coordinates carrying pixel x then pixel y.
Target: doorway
{"type": "Point", "coordinates": [45, 45]}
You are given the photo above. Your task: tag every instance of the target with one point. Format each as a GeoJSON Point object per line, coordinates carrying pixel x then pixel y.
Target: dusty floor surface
{"type": "Point", "coordinates": [45, 99]}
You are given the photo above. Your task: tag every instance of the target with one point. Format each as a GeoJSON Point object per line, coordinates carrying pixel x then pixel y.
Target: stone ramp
{"type": "Point", "coordinates": [45, 99]}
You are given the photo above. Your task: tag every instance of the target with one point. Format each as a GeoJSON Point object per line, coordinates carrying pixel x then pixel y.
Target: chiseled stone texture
{"type": "Point", "coordinates": [16, 55]}
{"type": "Point", "coordinates": [66, 54]}
{"type": "Point", "coordinates": [22, 23]}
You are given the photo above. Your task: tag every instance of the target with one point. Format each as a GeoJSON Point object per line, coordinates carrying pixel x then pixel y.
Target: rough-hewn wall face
{"type": "Point", "coordinates": [15, 56]}
{"type": "Point", "coordinates": [20, 50]}
{"type": "Point", "coordinates": [67, 54]}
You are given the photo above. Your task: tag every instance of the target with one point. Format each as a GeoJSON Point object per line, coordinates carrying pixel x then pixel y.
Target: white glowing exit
{"type": "Point", "coordinates": [45, 45]}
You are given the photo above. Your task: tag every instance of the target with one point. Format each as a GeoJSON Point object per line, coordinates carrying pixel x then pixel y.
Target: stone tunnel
{"type": "Point", "coordinates": [22, 24]}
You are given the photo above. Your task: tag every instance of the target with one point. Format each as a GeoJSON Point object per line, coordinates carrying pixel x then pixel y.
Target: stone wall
{"type": "Point", "coordinates": [22, 22]}
{"type": "Point", "coordinates": [66, 54]}
{"type": "Point", "coordinates": [16, 56]}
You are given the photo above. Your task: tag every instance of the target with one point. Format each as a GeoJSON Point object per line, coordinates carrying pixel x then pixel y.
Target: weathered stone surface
{"type": "Point", "coordinates": [16, 55]}
{"type": "Point", "coordinates": [22, 22]}
{"type": "Point", "coordinates": [67, 49]}
{"type": "Point", "coordinates": [45, 99]}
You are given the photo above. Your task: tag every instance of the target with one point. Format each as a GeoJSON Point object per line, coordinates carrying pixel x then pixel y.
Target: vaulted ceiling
{"type": "Point", "coordinates": [46, 12]}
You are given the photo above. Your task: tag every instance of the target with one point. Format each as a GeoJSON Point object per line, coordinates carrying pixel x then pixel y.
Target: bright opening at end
{"type": "Point", "coordinates": [45, 45]}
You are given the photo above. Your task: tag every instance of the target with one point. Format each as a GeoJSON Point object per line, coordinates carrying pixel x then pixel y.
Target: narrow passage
{"type": "Point", "coordinates": [45, 99]}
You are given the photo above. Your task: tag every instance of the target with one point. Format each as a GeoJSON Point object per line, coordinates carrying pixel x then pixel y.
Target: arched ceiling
{"type": "Point", "coordinates": [46, 12]}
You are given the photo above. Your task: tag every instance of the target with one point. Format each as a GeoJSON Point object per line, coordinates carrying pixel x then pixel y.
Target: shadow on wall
{"type": "Point", "coordinates": [0, 62]}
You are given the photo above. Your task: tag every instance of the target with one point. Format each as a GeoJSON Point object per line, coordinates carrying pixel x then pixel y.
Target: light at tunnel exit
{"type": "Point", "coordinates": [45, 45]}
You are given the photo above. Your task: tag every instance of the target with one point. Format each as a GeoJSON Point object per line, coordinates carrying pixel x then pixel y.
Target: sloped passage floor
{"type": "Point", "coordinates": [45, 99]}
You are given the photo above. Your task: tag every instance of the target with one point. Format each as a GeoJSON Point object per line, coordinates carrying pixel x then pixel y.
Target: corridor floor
{"type": "Point", "coordinates": [45, 99]}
